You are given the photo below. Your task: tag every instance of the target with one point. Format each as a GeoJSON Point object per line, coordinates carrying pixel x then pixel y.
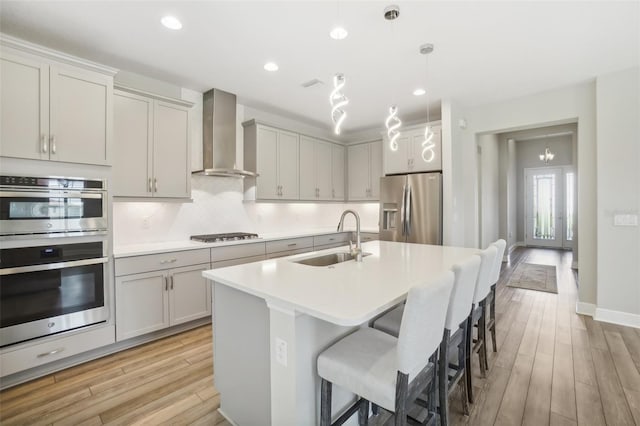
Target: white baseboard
{"type": "Point", "coordinates": [227, 418]}
{"type": "Point", "coordinates": [617, 317]}
{"type": "Point", "coordinates": [586, 308]}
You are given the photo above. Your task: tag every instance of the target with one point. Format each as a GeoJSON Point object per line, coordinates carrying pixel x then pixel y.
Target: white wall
{"type": "Point", "coordinates": [618, 186]}
{"type": "Point", "coordinates": [489, 194]}
{"type": "Point", "coordinates": [566, 105]}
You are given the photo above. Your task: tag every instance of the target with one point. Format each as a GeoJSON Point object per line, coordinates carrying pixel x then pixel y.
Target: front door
{"type": "Point", "coordinates": [544, 207]}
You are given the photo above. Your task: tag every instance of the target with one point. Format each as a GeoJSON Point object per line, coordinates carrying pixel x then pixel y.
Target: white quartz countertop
{"type": "Point", "coordinates": [348, 293]}
{"type": "Point", "coordinates": [167, 246]}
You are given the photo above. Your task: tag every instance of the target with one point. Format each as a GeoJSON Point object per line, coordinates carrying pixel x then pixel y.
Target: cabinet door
{"type": "Point", "coordinates": [81, 116]}
{"type": "Point", "coordinates": [171, 172]}
{"type": "Point", "coordinates": [132, 139]}
{"type": "Point", "coordinates": [375, 169]}
{"type": "Point", "coordinates": [142, 304]}
{"type": "Point", "coordinates": [288, 165]}
{"type": "Point", "coordinates": [308, 182]}
{"type": "Point", "coordinates": [397, 161]}
{"type": "Point", "coordinates": [337, 172]}
{"type": "Point", "coordinates": [190, 294]}
{"type": "Point", "coordinates": [358, 167]}
{"type": "Point", "coordinates": [323, 161]}
{"type": "Point", "coordinates": [267, 163]}
{"type": "Point", "coordinates": [24, 107]}
{"type": "Point", "coordinates": [431, 160]}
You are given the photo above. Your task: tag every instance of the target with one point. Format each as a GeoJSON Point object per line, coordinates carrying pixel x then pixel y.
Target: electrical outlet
{"type": "Point", "coordinates": [281, 351]}
{"type": "Point", "coordinates": [145, 223]}
{"type": "Point", "coordinates": [625, 220]}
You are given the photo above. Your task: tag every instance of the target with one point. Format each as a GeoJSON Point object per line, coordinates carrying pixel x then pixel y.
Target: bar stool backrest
{"type": "Point", "coordinates": [464, 285]}
{"type": "Point", "coordinates": [500, 245]}
{"type": "Point", "coordinates": [483, 284]}
{"type": "Point", "coordinates": [422, 323]}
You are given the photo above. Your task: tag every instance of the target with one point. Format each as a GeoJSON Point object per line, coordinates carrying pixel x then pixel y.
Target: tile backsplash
{"type": "Point", "coordinates": [218, 206]}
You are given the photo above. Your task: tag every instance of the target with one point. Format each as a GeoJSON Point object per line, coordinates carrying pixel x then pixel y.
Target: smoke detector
{"type": "Point", "coordinates": [391, 12]}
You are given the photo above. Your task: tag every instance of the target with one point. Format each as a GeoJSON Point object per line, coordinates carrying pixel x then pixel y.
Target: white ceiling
{"type": "Point", "coordinates": [484, 51]}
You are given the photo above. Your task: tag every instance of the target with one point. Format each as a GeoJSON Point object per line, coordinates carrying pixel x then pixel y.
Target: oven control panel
{"type": "Point", "coordinates": [50, 182]}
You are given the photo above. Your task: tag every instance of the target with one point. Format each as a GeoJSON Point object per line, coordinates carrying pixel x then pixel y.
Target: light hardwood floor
{"type": "Point", "coordinates": [553, 367]}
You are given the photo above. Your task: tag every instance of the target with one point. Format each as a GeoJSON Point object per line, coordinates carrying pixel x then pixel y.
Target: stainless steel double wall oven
{"type": "Point", "coordinates": [53, 255]}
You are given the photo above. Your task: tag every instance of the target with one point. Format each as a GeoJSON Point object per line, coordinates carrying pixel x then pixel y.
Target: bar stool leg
{"type": "Point", "coordinates": [443, 378]}
{"type": "Point", "coordinates": [325, 403]}
{"type": "Point", "coordinates": [482, 339]}
{"type": "Point", "coordinates": [468, 347]}
{"type": "Point", "coordinates": [493, 318]}
{"type": "Point", "coordinates": [402, 390]}
{"type": "Point", "coordinates": [462, 351]}
{"type": "Point", "coordinates": [363, 413]}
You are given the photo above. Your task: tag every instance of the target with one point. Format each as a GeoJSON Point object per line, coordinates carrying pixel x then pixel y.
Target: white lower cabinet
{"type": "Point", "coordinates": [157, 299]}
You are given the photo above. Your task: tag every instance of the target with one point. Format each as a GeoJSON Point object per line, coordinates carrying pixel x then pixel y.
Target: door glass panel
{"type": "Point", "coordinates": [569, 208]}
{"type": "Point", "coordinates": [544, 206]}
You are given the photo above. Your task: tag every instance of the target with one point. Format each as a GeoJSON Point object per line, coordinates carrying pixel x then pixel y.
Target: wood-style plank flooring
{"type": "Point", "coordinates": [553, 367]}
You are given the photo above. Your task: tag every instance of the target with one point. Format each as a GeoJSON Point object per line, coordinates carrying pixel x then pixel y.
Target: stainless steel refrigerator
{"type": "Point", "coordinates": [411, 208]}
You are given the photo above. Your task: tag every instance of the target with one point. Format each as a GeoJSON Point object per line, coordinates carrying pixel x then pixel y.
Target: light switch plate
{"type": "Point", "coordinates": [625, 220]}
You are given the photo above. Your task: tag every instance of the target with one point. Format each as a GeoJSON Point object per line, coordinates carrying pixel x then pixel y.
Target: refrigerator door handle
{"type": "Point", "coordinates": [407, 210]}
{"type": "Point", "coordinates": [403, 209]}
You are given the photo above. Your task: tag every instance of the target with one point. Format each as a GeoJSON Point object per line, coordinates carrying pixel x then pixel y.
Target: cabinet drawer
{"type": "Point", "coordinates": [289, 244]}
{"type": "Point", "coordinates": [328, 246]}
{"type": "Point", "coordinates": [233, 262]}
{"type": "Point", "coordinates": [237, 251]}
{"type": "Point", "coordinates": [13, 361]}
{"type": "Point", "coordinates": [288, 253]}
{"type": "Point", "coordinates": [368, 236]}
{"type": "Point", "coordinates": [323, 240]}
{"type": "Point", "coordinates": [155, 262]}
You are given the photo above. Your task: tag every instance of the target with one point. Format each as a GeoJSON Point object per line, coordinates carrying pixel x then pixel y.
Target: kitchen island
{"type": "Point", "coordinates": [272, 318]}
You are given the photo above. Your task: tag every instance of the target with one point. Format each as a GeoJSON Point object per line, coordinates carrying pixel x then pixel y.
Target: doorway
{"type": "Point", "coordinates": [549, 207]}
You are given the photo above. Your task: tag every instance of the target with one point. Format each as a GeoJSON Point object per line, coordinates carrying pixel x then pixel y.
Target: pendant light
{"type": "Point", "coordinates": [337, 99]}
{"type": "Point", "coordinates": [392, 123]}
{"type": "Point", "coordinates": [428, 146]}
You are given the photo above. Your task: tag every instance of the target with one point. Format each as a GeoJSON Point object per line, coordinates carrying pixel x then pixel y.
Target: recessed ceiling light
{"type": "Point", "coordinates": [171, 22]}
{"type": "Point", "coordinates": [419, 92]}
{"type": "Point", "coordinates": [338, 33]}
{"type": "Point", "coordinates": [271, 66]}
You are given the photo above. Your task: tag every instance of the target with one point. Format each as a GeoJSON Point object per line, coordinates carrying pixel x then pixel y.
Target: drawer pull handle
{"type": "Point", "coordinates": [53, 352]}
{"type": "Point", "coordinates": [173, 260]}
{"type": "Point", "coordinates": [331, 239]}
{"type": "Point", "coordinates": [292, 245]}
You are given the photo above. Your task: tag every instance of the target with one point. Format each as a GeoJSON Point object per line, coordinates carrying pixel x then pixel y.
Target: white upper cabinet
{"type": "Point", "coordinates": [412, 156]}
{"type": "Point", "coordinates": [151, 146]}
{"type": "Point", "coordinates": [364, 169]}
{"type": "Point", "coordinates": [24, 107]}
{"type": "Point", "coordinates": [54, 111]}
{"type": "Point", "coordinates": [274, 155]}
{"type": "Point", "coordinates": [337, 171]}
{"type": "Point", "coordinates": [316, 180]}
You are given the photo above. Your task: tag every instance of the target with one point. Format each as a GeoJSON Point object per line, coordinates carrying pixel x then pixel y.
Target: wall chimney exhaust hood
{"type": "Point", "coordinates": [219, 135]}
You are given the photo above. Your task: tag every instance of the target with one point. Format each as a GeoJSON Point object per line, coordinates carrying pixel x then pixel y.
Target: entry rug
{"type": "Point", "coordinates": [534, 277]}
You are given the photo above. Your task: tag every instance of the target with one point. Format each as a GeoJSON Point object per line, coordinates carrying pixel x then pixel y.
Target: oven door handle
{"type": "Point", "coordinates": [52, 266]}
{"type": "Point", "coordinates": [42, 194]}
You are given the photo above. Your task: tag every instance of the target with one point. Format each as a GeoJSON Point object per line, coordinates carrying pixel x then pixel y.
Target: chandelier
{"type": "Point", "coordinates": [547, 156]}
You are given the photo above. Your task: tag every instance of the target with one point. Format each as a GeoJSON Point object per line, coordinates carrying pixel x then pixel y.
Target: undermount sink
{"type": "Point", "coordinates": [328, 259]}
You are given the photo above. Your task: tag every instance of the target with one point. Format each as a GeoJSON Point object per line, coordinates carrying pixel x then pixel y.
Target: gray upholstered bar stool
{"type": "Point", "coordinates": [500, 245]}
{"type": "Point", "coordinates": [387, 371]}
{"type": "Point", "coordinates": [478, 316]}
{"type": "Point", "coordinates": [454, 336]}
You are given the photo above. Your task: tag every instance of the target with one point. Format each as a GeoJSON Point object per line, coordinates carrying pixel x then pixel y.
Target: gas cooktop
{"type": "Point", "coordinates": [232, 236]}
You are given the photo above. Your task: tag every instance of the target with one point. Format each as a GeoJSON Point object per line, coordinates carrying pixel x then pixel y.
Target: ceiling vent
{"type": "Point", "coordinates": [312, 83]}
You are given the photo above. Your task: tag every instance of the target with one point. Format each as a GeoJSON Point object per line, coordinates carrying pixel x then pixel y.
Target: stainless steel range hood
{"type": "Point", "coordinates": [219, 135]}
